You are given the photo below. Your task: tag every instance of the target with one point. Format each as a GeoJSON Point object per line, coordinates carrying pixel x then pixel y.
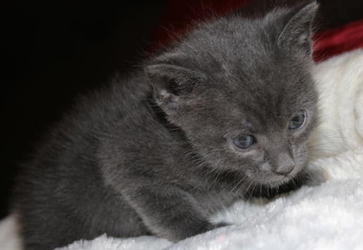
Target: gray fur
{"type": "Point", "coordinates": [153, 154]}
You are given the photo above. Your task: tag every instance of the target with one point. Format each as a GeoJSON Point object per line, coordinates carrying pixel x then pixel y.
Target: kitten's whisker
{"type": "Point", "coordinates": [239, 182]}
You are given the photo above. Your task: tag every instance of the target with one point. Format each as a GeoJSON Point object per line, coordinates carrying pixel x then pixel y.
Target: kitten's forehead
{"type": "Point", "coordinates": [260, 109]}
{"type": "Point", "coordinates": [254, 117]}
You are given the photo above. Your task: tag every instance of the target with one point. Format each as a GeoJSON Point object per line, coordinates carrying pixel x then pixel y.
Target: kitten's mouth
{"type": "Point", "coordinates": [275, 180]}
{"type": "Point", "coordinates": [279, 180]}
{"type": "Point", "coordinates": [282, 179]}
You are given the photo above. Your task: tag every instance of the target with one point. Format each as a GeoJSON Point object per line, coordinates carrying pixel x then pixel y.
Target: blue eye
{"type": "Point", "coordinates": [297, 121]}
{"type": "Point", "coordinates": [244, 141]}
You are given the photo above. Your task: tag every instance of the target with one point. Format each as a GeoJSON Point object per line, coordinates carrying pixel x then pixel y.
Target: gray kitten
{"type": "Point", "coordinates": [222, 115]}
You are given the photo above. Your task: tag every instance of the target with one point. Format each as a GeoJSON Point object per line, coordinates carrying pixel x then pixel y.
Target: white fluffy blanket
{"type": "Point", "coordinates": [329, 216]}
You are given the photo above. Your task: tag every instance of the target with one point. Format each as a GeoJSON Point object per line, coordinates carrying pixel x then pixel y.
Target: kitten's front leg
{"type": "Point", "coordinates": [169, 212]}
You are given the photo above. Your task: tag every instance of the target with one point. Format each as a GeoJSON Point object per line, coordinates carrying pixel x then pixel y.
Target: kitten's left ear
{"type": "Point", "coordinates": [173, 83]}
{"type": "Point", "coordinates": [296, 34]}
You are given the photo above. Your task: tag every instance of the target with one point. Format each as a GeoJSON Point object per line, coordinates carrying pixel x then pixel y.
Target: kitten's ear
{"type": "Point", "coordinates": [296, 35]}
{"type": "Point", "coordinates": [172, 83]}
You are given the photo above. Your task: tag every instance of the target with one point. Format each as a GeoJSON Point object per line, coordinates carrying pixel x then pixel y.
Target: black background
{"type": "Point", "coordinates": [52, 51]}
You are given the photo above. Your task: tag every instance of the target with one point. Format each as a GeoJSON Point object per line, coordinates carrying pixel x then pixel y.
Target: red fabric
{"type": "Point", "coordinates": [179, 14]}
{"type": "Point", "coordinates": [336, 41]}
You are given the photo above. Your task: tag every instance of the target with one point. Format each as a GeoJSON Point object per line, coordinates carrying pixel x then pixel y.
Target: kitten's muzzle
{"type": "Point", "coordinates": [284, 165]}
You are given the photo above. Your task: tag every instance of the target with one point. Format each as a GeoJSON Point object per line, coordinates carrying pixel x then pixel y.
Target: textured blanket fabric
{"type": "Point", "coordinates": [328, 216]}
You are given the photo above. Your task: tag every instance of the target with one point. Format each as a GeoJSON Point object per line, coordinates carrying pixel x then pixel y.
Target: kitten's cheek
{"type": "Point", "coordinates": [300, 156]}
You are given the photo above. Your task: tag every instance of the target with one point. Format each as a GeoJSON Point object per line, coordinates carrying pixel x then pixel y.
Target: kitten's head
{"type": "Point", "coordinates": [242, 92]}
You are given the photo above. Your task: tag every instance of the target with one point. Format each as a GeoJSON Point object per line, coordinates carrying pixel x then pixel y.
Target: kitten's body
{"type": "Point", "coordinates": [140, 158]}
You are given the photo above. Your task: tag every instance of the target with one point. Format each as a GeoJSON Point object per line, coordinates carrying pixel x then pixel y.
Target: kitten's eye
{"type": "Point", "coordinates": [244, 141]}
{"type": "Point", "coordinates": [297, 121]}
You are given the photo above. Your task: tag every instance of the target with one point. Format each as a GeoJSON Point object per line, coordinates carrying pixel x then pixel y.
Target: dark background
{"type": "Point", "coordinates": [52, 52]}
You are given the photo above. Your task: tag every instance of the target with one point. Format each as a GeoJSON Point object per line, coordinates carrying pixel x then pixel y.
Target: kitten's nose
{"type": "Point", "coordinates": [284, 165]}
{"type": "Point", "coordinates": [284, 170]}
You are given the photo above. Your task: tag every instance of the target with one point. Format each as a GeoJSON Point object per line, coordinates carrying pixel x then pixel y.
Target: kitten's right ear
{"type": "Point", "coordinates": [296, 35]}
{"type": "Point", "coordinates": [172, 83]}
